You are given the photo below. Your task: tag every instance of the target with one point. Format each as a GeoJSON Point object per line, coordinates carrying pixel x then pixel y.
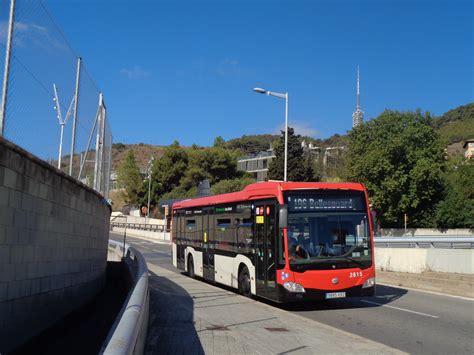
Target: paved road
{"type": "Point", "coordinates": [411, 321]}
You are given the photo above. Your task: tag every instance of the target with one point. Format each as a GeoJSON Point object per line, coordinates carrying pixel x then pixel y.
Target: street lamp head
{"type": "Point", "coordinates": [260, 90]}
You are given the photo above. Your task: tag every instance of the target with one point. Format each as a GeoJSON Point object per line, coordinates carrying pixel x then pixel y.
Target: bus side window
{"type": "Point", "coordinates": [198, 235]}
{"type": "Point", "coordinates": [244, 233]}
{"type": "Point", "coordinates": [223, 232]}
{"type": "Point", "coordinates": [191, 229]}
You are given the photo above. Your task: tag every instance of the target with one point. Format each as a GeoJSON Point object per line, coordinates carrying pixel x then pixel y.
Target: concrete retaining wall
{"type": "Point", "coordinates": [53, 245]}
{"type": "Point", "coordinates": [418, 260]}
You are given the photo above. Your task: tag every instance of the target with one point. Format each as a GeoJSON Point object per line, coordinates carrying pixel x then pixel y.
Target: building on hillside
{"type": "Point", "coordinates": [358, 115]}
{"type": "Point", "coordinates": [257, 164]}
{"type": "Point", "coordinates": [113, 180]}
{"type": "Point", "coordinates": [310, 148]}
{"type": "Point", "coordinates": [469, 147]}
{"type": "Point", "coordinates": [332, 153]}
{"type": "Point", "coordinates": [318, 152]}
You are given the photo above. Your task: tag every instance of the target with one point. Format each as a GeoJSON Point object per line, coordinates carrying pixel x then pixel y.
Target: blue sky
{"type": "Point", "coordinates": [185, 69]}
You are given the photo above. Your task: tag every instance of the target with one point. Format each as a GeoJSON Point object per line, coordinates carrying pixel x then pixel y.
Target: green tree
{"type": "Point", "coordinates": [216, 163]}
{"type": "Point", "coordinates": [128, 175]}
{"type": "Point", "coordinates": [192, 177]}
{"type": "Point", "coordinates": [219, 142]}
{"type": "Point", "coordinates": [252, 144]}
{"type": "Point", "coordinates": [456, 210]}
{"type": "Point", "coordinates": [297, 169]}
{"type": "Point", "coordinates": [169, 169]}
{"type": "Point", "coordinates": [233, 185]}
{"type": "Point", "coordinates": [399, 158]}
{"type": "Point", "coordinates": [311, 171]}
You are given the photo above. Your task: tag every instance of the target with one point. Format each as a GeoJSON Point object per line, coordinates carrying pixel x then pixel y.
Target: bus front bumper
{"type": "Point", "coordinates": [318, 295]}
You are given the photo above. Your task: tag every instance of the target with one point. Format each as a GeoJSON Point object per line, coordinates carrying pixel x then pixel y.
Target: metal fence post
{"type": "Point", "coordinates": [6, 73]}
{"type": "Point", "coordinates": [98, 146]}
{"type": "Point", "coordinates": [102, 150]}
{"type": "Point", "coordinates": [109, 170]}
{"type": "Point", "coordinates": [74, 121]}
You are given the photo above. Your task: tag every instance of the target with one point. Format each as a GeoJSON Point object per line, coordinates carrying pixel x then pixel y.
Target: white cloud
{"type": "Point", "coordinates": [30, 34]}
{"type": "Point", "coordinates": [136, 72]}
{"type": "Point", "coordinates": [300, 127]}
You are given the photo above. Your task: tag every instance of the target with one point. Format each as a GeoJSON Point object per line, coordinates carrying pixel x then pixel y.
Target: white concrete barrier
{"type": "Point", "coordinates": [418, 260]}
{"type": "Point", "coordinates": [158, 236]}
{"type": "Point", "coordinates": [414, 232]}
{"type": "Point", "coordinates": [119, 217]}
{"type": "Point", "coordinates": [128, 334]}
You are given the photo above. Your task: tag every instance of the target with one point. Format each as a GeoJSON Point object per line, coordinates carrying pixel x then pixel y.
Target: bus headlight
{"type": "Point", "coordinates": [293, 287]}
{"type": "Point", "coordinates": [369, 283]}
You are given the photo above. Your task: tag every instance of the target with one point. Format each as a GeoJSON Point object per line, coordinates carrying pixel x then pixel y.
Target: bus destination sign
{"type": "Point", "coordinates": [307, 203]}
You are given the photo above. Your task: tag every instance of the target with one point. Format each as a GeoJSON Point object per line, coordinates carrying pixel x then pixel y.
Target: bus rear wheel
{"type": "Point", "coordinates": [244, 281]}
{"type": "Point", "coordinates": [191, 273]}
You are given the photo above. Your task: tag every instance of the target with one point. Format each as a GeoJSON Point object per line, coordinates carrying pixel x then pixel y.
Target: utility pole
{"type": "Point", "coordinates": [6, 73]}
{"type": "Point", "coordinates": [285, 97]}
{"type": "Point", "coordinates": [150, 167]}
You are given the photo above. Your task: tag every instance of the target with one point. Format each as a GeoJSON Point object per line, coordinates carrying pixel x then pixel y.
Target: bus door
{"type": "Point", "coordinates": [265, 232]}
{"type": "Point", "coordinates": [208, 245]}
{"type": "Point", "coordinates": [180, 243]}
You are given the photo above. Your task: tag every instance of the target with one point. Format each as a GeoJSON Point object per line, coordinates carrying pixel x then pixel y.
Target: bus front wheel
{"type": "Point", "coordinates": [244, 281]}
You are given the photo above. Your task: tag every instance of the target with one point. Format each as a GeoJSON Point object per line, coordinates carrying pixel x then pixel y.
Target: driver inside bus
{"type": "Point", "coordinates": [296, 249]}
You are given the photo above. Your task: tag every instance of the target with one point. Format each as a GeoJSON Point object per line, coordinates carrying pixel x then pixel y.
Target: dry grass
{"type": "Point", "coordinates": [118, 199]}
{"type": "Point", "coordinates": [142, 153]}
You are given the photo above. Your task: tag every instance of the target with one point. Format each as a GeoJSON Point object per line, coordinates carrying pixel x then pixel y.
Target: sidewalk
{"type": "Point", "coordinates": [192, 317]}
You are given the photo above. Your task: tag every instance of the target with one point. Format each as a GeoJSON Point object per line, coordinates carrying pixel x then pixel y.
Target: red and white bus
{"type": "Point", "coordinates": [284, 241]}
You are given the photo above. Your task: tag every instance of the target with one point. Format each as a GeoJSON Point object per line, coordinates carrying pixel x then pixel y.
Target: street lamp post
{"type": "Point", "coordinates": [281, 96]}
{"type": "Point", "coordinates": [150, 166]}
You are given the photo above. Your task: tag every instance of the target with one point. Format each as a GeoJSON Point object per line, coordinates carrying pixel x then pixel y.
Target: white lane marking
{"type": "Point", "coordinates": [426, 291]}
{"type": "Point", "coordinates": [400, 309]}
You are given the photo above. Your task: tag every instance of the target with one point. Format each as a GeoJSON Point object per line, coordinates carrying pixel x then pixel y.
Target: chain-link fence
{"type": "Point", "coordinates": [52, 106]}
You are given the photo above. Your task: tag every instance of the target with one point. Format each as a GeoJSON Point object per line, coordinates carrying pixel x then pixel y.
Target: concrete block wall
{"type": "Point", "coordinates": [418, 260]}
{"type": "Point", "coordinates": [53, 245]}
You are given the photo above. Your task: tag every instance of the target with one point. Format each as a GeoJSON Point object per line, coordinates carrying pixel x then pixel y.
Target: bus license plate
{"type": "Point", "coordinates": [332, 295]}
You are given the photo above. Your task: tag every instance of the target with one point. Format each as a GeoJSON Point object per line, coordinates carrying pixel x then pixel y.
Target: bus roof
{"type": "Point", "coordinates": [267, 189]}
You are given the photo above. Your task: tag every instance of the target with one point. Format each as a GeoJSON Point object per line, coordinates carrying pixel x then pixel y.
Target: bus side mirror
{"type": "Point", "coordinates": [283, 216]}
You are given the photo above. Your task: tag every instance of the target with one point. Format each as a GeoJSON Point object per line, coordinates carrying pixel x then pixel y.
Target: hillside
{"type": "Point", "coordinates": [142, 153]}
{"type": "Point", "coordinates": [252, 144]}
{"type": "Point", "coordinates": [456, 125]}
{"type": "Point", "coordinates": [256, 143]}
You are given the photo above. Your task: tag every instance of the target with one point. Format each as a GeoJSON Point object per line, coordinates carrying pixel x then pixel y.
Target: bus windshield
{"type": "Point", "coordinates": [316, 235]}
{"type": "Point", "coordinates": [328, 229]}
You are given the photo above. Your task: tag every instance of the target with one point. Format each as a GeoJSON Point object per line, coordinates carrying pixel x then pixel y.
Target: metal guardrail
{"type": "Point", "coordinates": [129, 334]}
{"type": "Point", "coordinates": [443, 242]}
{"type": "Point", "coordinates": [139, 226]}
